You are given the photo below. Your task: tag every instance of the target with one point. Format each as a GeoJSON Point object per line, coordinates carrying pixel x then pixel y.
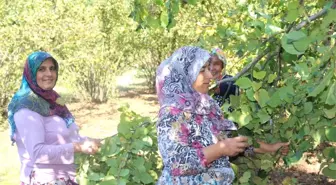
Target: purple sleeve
{"type": "Point", "coordinates": [31, 129]}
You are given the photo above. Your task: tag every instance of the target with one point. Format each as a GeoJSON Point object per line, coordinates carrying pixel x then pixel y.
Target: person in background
{"type": "Point", "coordinates": [43, 128]}
{"type": "Point", "coordinates": [191, 129]}
{"type": "Point", "coordinates": [218, 69]}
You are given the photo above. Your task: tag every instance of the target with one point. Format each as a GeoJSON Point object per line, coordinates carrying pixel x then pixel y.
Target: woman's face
{"type": "Point", "coordinates": [46, 75]}
{"type": "Point", "coordinates": [216, 66]}
{"type": "Point", "coordinates": [202, 81]}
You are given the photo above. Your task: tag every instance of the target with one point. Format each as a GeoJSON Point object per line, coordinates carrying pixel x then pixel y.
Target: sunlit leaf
{"type": "Point", "coordinates": [331, 134]}
{"type": "Point", "coordinates": [244, 82]}
{"type": "Point", "coordinates": [262, 97]}
{"type": "Point", "coordinates": [259, 75]}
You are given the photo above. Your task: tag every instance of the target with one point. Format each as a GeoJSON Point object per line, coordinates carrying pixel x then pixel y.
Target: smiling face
{"type": "Point", "coordinates": [217, 67]}
{"type": "Point", "coordinates": [46, 75]}
{"type": "Point", "coordinates": [202, 81]}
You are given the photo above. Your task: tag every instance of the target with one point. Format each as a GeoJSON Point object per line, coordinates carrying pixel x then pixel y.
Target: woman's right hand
{"type": "Point", "coordinates": [89, 146]}
{"type": "Point", "coordinates": [233, 146]}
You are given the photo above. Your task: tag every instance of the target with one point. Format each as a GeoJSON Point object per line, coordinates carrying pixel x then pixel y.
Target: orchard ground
{"type": "Point", "coordinates": [101, 120]}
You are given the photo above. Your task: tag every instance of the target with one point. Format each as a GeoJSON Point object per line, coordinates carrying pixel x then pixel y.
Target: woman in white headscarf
{"type": "Point", "coordinates": [191, 124]}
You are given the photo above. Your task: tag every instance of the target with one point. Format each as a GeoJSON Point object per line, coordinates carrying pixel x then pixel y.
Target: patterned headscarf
{"type": "Point", "coordinates": [220, 54]}
{"type": "Point", "coordinates": [32, 97]}
{"type": "Point", "coordinates": [174, 80]}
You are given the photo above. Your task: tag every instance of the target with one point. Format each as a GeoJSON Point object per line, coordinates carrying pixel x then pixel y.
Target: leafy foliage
{"type": "Point", "coordinates": [290, 95]}
{"type": "Point", "coordinates": [130, 157]}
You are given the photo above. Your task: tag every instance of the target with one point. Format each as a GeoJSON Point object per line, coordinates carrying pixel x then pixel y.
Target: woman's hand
{"type": "Point", "coordinates": [284, 148]}
{"type": "Point", "coordinates": [272, 148]}
{"type": "Point", "coordinates": [233, 146]}
{"type": "Point", "coordinates": [89, 146]}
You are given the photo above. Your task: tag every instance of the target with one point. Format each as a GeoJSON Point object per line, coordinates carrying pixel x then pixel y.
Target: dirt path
{"type": "Point", "coordinates": [104, 118]}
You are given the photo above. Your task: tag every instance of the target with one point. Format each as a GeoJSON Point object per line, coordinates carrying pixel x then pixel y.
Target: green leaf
{"type": "Point", "coordinates": [192, 2]}
{"type": "Point", "coordinates": [146, 178]}
{"type": "Point", "coordinates": [318, 136]}
{"type": "Point", "coordinates": [293, 158]}
{"type": "Point", "coordinates": [263, 116]}
{"type": "Point", "coordinates": [301, 45]}
{"type": "Point", "coordinates": [266, 164]}
{"type": "Point", "coordinates": [225, 107]}
{"type": "Point", "coordinates": [252, 44]}
{"type": "Point", "coordinates": [332, 166]}
{"type": "Point", "coordinates": [244, 82]}
{"type": "Point", "coordinates": [244, 119]}
{"type": "Point", "coordinates": [331, 97]}
{"type": "Point", "coordinates": [304, 146]}
{"type": "Point", "coordinates": [288, 47]}
{"type": "Point", "coordinates": [295, 35]}
{"type": "Point", "coordinates": [275, 100]}
{"type": "Point", "coordinates": [122, 181]}
{"type": "Point", "coordinates": [271, 29]}
{"type": "Point", "coordinates": [303, 70]}
{"type": "Point", "coordinates": [124, 128]}
{"type": "Point", "coordinates": [110, 149]}
{"type": "Point", "coordinates": [152, 22]}
{"type": "Point", "coordinates": [262, 97]}
{"type": "Point", "coordinates": [250, 94]}
{"type": "Point", "coordinates": [124, 172]}
{"type": "Point", "coordinates": [330, 113]}
{"type": "Point", "coordinates": [329, 173]}
{"type": "Point", "coordinates": [175, 7]}
{"type": "Point", "coordinates": [271, 78]}
{"type": "Point", "coordinates": [331, 134]}
{"type": "Point", "coordinates": [139, 161]}
{"type": "Point", "coordinates": [292, 15]}
{"type": "Point", "coordinates": [246, 177]}
{"type": "Point", "coordinates": [159, 2]}
{"type": "Point", "coordinates": [94, 176]}
{"type": "Point", "coordinates": [235, 101]}
{"type": "Point", "coordinates": [234, 116]}
{"type": "Point", "coordinates": [148, 141]}
{"type": "Point", "coordinates": [307, 107]}
{"type": "Point", "coordinates": [164, 19]}
{"type": "Point", "coordinates": [108, 182]}
{"type": "Point", "coordinates": [321, 86]}
{"type": "Point", "coordinates": [256, 85]}
{"type": "Point", "coordinates": [329, 152]}
{"type": "Point", "coordinates": [221, 30]}
{"type": "Point", "coordinates": [235, 168]}
{"type": "Point", "coordinates": [259, 75]}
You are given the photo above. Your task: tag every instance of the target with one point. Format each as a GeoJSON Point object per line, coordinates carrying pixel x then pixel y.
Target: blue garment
{"type": "Point", "coordinates": [225, 90]}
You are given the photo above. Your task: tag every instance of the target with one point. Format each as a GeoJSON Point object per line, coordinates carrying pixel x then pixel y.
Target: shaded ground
{"type": "Point", "coordinates": [305, 172]}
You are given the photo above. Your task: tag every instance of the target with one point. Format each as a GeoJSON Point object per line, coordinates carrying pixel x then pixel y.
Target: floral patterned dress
{"type": "Point", "coordinates": [188, 122]}
{"type": "Point", "coordinates": [181, 137]}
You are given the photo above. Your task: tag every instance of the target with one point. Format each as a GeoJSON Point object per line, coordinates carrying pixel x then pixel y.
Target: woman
{"type": "Point", "coordinates": [191, 124]}
{"type": "Point", "coordinates": [218, 69]}
{"type": "Point", "coordinates": [43, 128]}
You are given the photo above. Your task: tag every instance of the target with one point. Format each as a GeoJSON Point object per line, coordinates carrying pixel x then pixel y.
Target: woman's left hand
{"type": "Point", "coordinates": [284, 148]}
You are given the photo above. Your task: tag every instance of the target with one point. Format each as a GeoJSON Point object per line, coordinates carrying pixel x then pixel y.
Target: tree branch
{"type": "Point", "coordinates": [260, 56]}
{"type": "Point", "coordinates": [249, 66]}
{"type": "Point", "coordinates": [311, 18]}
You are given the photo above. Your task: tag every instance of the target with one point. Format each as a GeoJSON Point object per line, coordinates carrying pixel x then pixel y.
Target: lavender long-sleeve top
{"type": "Point", "coordinates": [45, 146]}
